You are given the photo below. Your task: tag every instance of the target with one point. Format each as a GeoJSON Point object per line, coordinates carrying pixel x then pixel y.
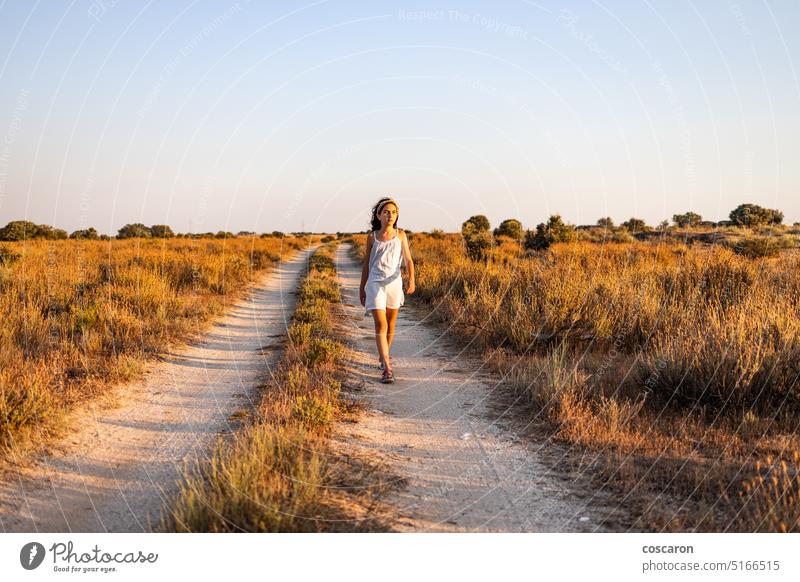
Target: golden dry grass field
{"type": "Point", "coordinates": [671, 368]}
{"type": "Point", "coordinates": [674, 366]}
{"type": "Point", "coordinates": [79, 316]}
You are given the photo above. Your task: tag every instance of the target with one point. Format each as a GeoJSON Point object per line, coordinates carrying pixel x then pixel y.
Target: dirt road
{"type": "Point", "coordinates": [115, 471]}
{"type": "Point", "coordinates": [464, 468]}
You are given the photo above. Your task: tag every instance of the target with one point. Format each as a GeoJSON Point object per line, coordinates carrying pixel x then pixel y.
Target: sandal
{"type": "Point", "coordinates": [388, 377]}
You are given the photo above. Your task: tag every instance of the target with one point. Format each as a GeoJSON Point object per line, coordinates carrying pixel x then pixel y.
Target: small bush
{"type": "Point", "coordinates": [269, 480]}
{"type": "Point", "coordinates": [23, 402]}
{"type": "Point", "coordinates": [477, 237]}
{"type": "Point", "coordinates": [300, 333]}
{"type": "Point", "coordinates": [161, 231]}
{"type": "Point", "coordinates": [770, 498]}
{"type": "Point", "coordinates": [621, 236]}
{"type": "Point", "coordinates": [322, 351]}
{"type": "Point", "coordinates": [635, 225]}
{"type": "Point", "coordinates": [511, 228]}
{"type": "Point", "coordinates": [478, 223]}
{"type": "Point", "coordinates": [135, 230]}
{"type": "Point", "coordinates": [17, 230]}
{"type": "Point", "coordinates": [317, 290]}
{"type": "Point", "coordinates": [554, 231]}
{"type": "Point", "coordinates": [752, 215]}
{"type": "Point", "coordinates": [260, 259]}
{"type": "Point", "coordinates": [8, 256]}
{"type": "Point", "coordinates": [687, 219]}
{"type": "Point", "coordinates": [85, 234]}
{"type": "Point", "coordinates": [478, 244]}
{"type": "Point", "coordinates": [310, 313]}
{"type": "Point", "coordinates": [313, 411]}
{"type": "Point", "coordinates": [757, 247]}
{"type": "Point", "coordinates": [297, 380]}
{"type": "Point", "coordinates": [322, 263]}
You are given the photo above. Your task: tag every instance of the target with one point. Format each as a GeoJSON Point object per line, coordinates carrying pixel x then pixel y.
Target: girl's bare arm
{"type": "Point", "coordinates": [409, 262]}
{"type": "Point", "coordinates": [362, 293]}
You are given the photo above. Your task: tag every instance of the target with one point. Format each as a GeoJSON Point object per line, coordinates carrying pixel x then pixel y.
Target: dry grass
{"type": "Point", "coordinates": [79, 316]}
{"type": "Point", "coordinates": [278, 474]}
{"type": "Point", "coordinates": [770, 499]}
{"type": "Point", "coordinates": [677, 364]}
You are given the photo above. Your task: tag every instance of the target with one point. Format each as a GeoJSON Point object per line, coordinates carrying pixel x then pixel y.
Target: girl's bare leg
{"type": "Point", "coordinates": [379, 315]}
{"type": "Point", "coordinates": [391, 319]}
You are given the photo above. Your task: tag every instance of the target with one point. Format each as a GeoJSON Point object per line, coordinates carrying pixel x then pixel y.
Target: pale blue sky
{"type": "Point", "coordinates": [264, 116]}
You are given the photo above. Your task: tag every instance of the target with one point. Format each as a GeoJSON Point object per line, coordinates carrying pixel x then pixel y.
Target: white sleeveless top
{"type": "Point", "coordinates": [385, 259]}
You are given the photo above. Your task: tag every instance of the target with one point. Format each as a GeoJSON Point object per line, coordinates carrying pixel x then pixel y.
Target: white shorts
{"type": "Point", "coordinates": [382, 295]}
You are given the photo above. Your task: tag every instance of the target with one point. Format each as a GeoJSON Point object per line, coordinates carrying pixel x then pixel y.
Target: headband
{"type": "Point", "coordinates": [389, 201]}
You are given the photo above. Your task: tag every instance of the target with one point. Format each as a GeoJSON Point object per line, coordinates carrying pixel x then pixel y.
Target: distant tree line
{"type": "Point", "coordinates": [479, 238]}
{"type": "Point", "coordinates": [19, 230]}
{"type": "Point", "coordinates": [24, 229]}
{"type": "Point", "coordinates": [476, 230]}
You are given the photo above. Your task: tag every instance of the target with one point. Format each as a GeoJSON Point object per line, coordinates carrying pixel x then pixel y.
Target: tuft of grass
{"type": "Point", "coordinates": [8, 256]}
{"type": "Point", "coordinates": [24, 402]}
{"type": "Point", "coordinates": [267, 480]}
{"type": "Point", "coordinates": [757, 247]}
{"type": "Point", "coordinates": [314, 411]}
{"type": "Point", "coordinates": [299, 333]}
{"type": "Point", "coordinates": [322, 351]}
{"type": "Point", "coordinates": [769, 499]}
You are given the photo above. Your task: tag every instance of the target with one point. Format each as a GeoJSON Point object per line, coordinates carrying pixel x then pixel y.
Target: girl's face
{"type": "Point", "coordinates": [388, 215]}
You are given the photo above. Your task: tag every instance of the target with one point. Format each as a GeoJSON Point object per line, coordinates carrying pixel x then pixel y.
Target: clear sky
{"type": "Point", "coordinates": [279, 115]}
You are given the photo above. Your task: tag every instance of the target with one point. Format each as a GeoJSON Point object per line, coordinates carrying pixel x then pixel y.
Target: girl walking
{"type": "Point", "coordinates": [381, 289]}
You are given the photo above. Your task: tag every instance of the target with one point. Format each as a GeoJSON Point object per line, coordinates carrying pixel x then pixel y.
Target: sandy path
{"type": "Point", "coordinates": [464, 468]}
{"type": "Point", "coordinates": [115, 471]}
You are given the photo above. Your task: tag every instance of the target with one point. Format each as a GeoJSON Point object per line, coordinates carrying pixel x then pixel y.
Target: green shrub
{"type": "Point", "coordinates": [322, 263]}
{"type": "Point", "coordinates": [754, 215]}
{"type": "Point", "coordinates": [554, 231]}
{"type": "Point", "coordinates": [477, 238]}
{"type": "Point", "coordinates": [313, 411]}
{"type": "Point", "coordinates": [310, 313]}
{"type": "Point", "coordinates": [85, 234]}
{"type": "Point", "coordinates": [318, 290]}
{"type": "Point", "coordinates": [260, 259]}
{"type": "Point", "coordinates": [322, 351]}
{"type": "Point", "coordinates": [477, 223]}
{"type": "Point", "coordinates": [478, 245]}
{"type": "Point", "coordinates": [8, 256]}
{"type": "Point", "coordinates": [511, 228]}
{"type": "Point", "coordinates": [621, 236]}
{"type": "Point", "coordinates": [757, 247]}
{"type": "Point", "coordinates": [687, 219]}
{"type": "Point", "coordinates": [17, 230]}
{"type": "Point", "coordinates": [87, 318]}
{"type": "Point", "coordinates": [300, 333]}
{"type": "Point", "coordinates": [161, 231]}
{"type": "Point", "coordinates": [23, 404]}
{"type": "Point", "coordinates": [135, 230]}
{"type": "Point", "coordinates": [297, 380]}
{"type": "Point", "coordinates": [635, 225]}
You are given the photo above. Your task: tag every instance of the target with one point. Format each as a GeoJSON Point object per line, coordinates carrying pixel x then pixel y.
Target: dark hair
{"type": "Point", "coordinates": [375, 222]}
